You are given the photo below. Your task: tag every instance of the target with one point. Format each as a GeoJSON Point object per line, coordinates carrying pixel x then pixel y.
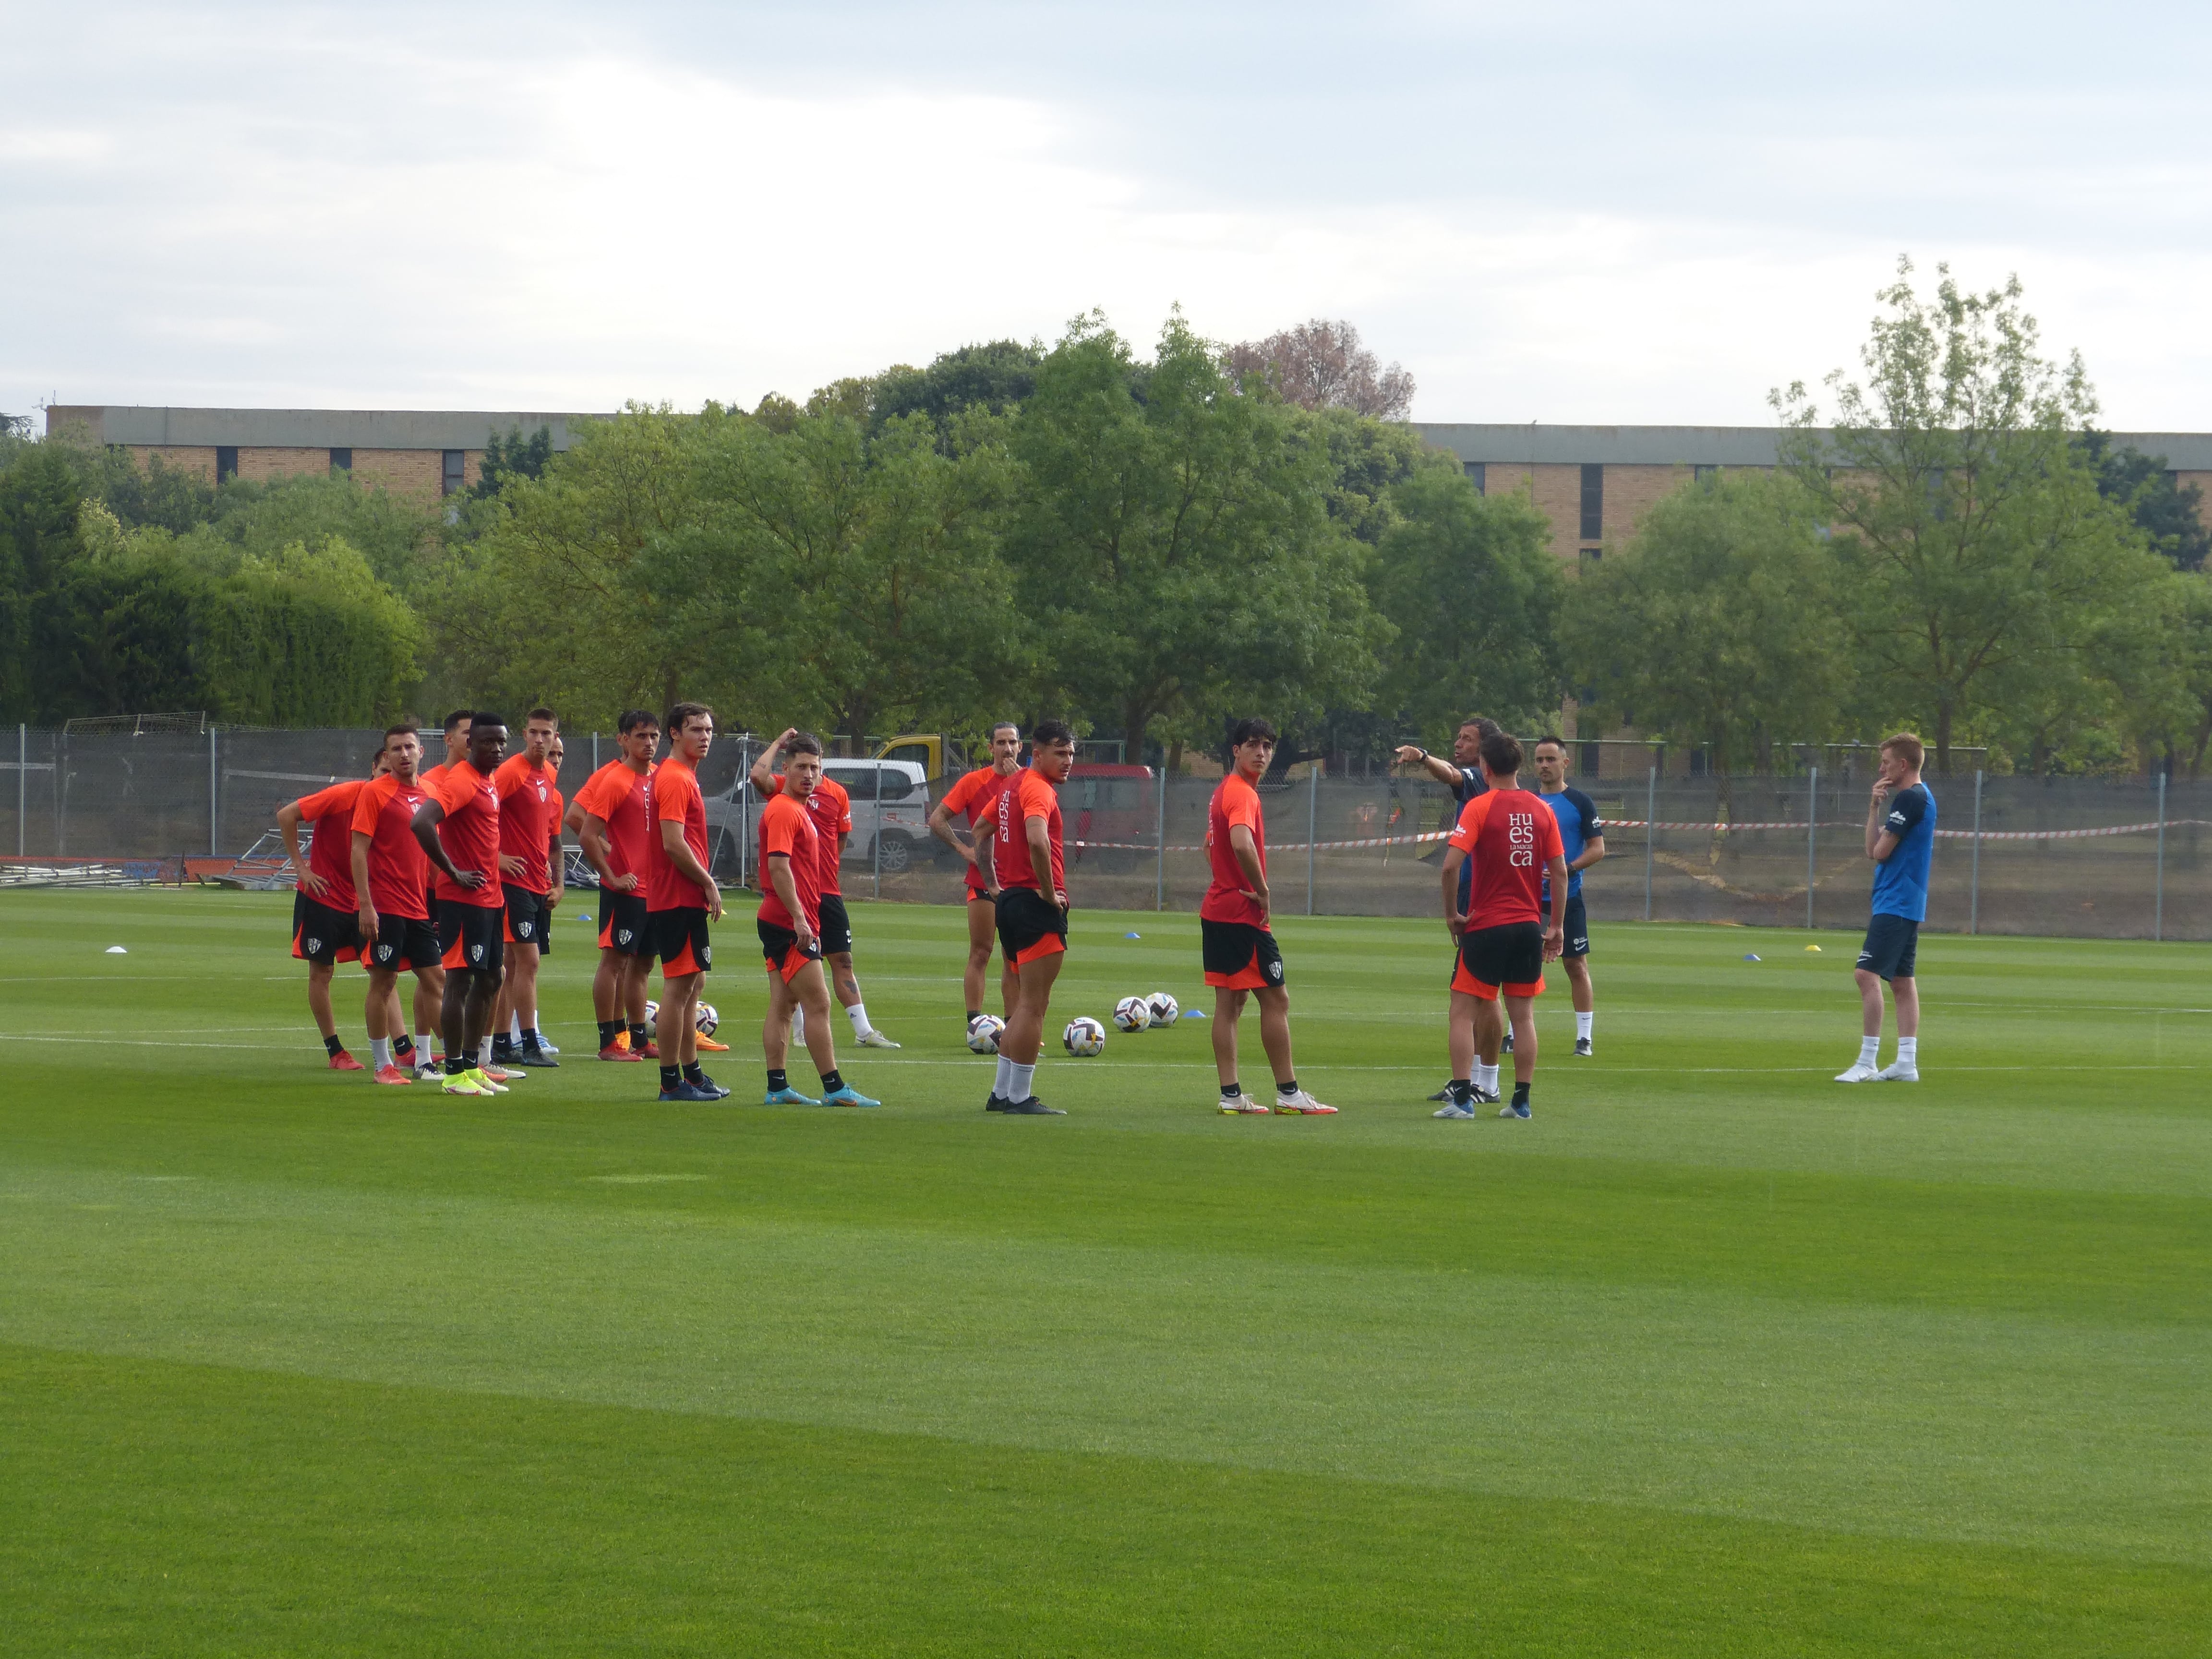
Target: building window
{"type": "Point", "coordinates": [1705, 473]}
{"type": "Point", "coordinates": [1592, 554]}
{"type": "Point", "coordinates": [452, 479]}
{"type": "Point", "coordinates": [341, 460]}
{"type": "Point", "coordinates": [225, 462]}
{"type": "Point", "coordinates": [1592, 755]}
{"type": "Point", "coordinates": [1593, 502]}
{"type": "Point", "coordinates": [1478, 475]}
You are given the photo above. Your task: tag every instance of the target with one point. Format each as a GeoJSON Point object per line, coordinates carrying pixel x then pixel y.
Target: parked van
{"type": "Point", "coordinates": [891, 801]}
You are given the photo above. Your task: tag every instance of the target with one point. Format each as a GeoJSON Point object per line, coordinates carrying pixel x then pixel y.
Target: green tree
{"type": "Point", "coordinates": [1174, 546]}
{"type": "Point", "coordinates": [1715, 624]}
{"type": "Point", "coordinates": [996, 377]}
{"type": "Point", "coordinates": [1471, 585]}
{"type": "Point", "coordinates": [1971, 538]}
{"type": "Point", "coordinates": [2171, 516]}
{"type": "Point", "coordinates": [513, 457]}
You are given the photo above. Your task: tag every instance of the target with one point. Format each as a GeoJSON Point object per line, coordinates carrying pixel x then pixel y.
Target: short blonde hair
{"type": "Point", "coordinates": [1907, 746]}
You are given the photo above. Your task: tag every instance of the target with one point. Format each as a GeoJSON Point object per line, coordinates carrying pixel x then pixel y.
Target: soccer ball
{"type": "Point", "coordinates": [984, 1032]}
{"type": "Point", "coordinates": [1084, 1037]}
{"type": "Point", "coordinates": [651, 1019]}
{"type": "Point", "coordinates": [1166, 1010]}
{"type": "Point", "coordinates": [707, 1020]}
{"type": "Point", "coordinates": [1132, 1014]}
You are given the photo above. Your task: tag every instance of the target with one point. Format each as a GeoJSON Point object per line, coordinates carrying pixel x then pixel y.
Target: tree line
{"type": "Point", "coordinates": [1151, 542]}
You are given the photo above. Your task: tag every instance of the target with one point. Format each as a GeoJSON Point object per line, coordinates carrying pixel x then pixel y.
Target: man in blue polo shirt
{"type": "Point", "coordinates": [1582, 840]}
{"type": "Point", "coordinates": [1901, 838]}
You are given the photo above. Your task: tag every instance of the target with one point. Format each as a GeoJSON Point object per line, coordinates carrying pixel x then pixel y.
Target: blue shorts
{"type": "Point", "coordinates": [1892, 944]}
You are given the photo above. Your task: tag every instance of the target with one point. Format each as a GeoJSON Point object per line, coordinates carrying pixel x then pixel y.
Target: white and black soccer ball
{"type": "Point", "coordinates": [1084, 1037]}
{"type": "Point", "coordinates": [1132, 1014]}
{"type": "Point", "coordinates": [707, 1019]}
{"type": "Point", "coordinates": [984, 1032]}
{"type": "Point", "coordinates": [1166, 1010]}
{"type": "Point", "coordinates": [652, 1021]}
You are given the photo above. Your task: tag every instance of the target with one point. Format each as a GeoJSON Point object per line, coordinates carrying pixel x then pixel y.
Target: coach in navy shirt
{"type": "Point", "coordinates": [1582, 840]}
{"type": "Point", "coordinates": [1901, 839]}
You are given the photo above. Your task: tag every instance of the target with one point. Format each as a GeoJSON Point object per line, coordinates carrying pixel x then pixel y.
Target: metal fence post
{"type": "Point", "coordinates": [1312, 817]}
{"type": "Point", "coordinates": [22, 794]}
{"type": "Point", "coordinates": [212, 849]}
{"type": "Point", "coordinates": [1650, 835]}
{"type": "Point", "coordinates": [1160, 842]}
{"type": "Point", "coordinates": [595, 751]}
{"type": "Point", "coordinates": [1812, 840]}
{"type": "Point", "coordinates": [876, 841]}
{"type": "Point", "coordinates": [2157, 904]}
{"type": "Point", "coordinates": [1974, 888]}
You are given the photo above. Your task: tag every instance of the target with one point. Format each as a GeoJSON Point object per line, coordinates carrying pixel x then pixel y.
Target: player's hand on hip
{"type": "Point", "coordinates": [1059, 897]}
{"type": "Point", "coordinates": [1260, 900]}
{"type": "Point", "coordinates": [623, 883]}
{"type": "Point", "coordinates": [317, 885]}
{"type": "Point", "coordinates": [471, 879]}
{"type": "Point", "coordinates": [509, 865]}
{"type": "Point", "coordinates": [1456, 923]}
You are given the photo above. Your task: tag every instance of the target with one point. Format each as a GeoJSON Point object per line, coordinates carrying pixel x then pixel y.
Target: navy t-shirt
{"type": "Point", "coordinates": [1901, 881]}
{"type": "Point", "coordinates": [1578, 827]}
{"type": "Point", "coordinates": [1471, 783]}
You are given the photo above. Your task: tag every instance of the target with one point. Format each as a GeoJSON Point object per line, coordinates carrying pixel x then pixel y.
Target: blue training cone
{"type": "Point", "coordinates": [1132, 936]}
{"type": "Point", "coordinates": [1747, 957]}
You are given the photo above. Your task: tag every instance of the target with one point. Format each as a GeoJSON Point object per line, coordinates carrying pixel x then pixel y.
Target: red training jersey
{"type": "Point", "coordinates": [977, 795]}
{"type": "Point", "coordinates": [1026, 796]}
{"type": "Point", "coordinates": [788, 827]}
{"type": "Point", "coordinates": [832, 809]}
{"type": "Point", "coordinates": [330, 852]}
{"type": "Point", "coordinates": [1235, 802]}
{"type": "Point", "coordinates": [398, 872]}
{"type": "Point", "coordinates": [623, 800]}
{"type": "Point", "coordinates": [676, 799]}
{"type": "Point", "coordinates": [470, 833]}
{"type": "Point", "coordinates": [1509, 835]}
{"type": "Point", "coordinates": [527, 817]}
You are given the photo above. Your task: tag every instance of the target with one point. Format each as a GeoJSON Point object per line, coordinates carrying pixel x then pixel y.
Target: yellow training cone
{"type": "Point", "coordinates": [1812, 947]}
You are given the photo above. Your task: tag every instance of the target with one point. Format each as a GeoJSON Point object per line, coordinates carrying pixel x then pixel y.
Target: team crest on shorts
{"type": "Point", "coordinates": [706, 956]}
{"type": "Point", "coordinates": [384, 953]}
{"type": "Point", "coordinates": [475, 953]}
{"type": "Point", "coordinates": [523, 932]}
{"type": "Point", "coordinates": [313, 946]}
{"type": "Point", "coordinates": [624, 936]}
{"type": "Point", "coordinates": [1275, 968]}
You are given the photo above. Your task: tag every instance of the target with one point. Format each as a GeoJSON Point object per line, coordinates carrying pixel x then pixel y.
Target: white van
{"type": "Point", "coordinates": [890, 800]}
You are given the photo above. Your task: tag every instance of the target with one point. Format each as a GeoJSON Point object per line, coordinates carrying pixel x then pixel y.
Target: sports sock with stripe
{"type": "Point", "coordinates": [1232, 1092]}
{"type": "Point", "coordinates": [832, 1080]}
{"type": "Point", "coordinates": [1017, 1082]}
{"type": "Point", "coordinates": [778, 1080]}
{"type": "Point", "coordinates": [1287, 1089]}
{"type": "Point", "coordinates": [609, 1030]}
{"type": "Point", "coordinates": [692, 1073]}
{"type": "Point", "coordinates": [1868, 1048]}
{"type": "Point", "coordinates": [859, 1013]}
{"type": "Point", "coordinates": [333, 1047]}
{"type": "Point", "coordinates": [1908, 1051]}
{"type": "Point", "coordinates": [637, 1039]}
{"type": "Point", "coordinates": [1583, 1026]}
{"type": "Point", "coordinates": [379, 1052]}
{"type": "Point", "coordinates": [424, 1048]}
{"type": "Point", "coordinates": [671, 1076]}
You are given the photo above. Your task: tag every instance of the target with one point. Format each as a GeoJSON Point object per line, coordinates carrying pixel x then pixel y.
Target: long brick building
{"type": "Point", "coordinates": [1594, 483]}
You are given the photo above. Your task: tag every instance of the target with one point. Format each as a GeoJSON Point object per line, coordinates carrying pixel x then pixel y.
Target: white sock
{"type": "Point", "coordinates": [422, 1048]}
{"type": "Point", "coordinates": [1908, 1051]}
{"type": "Point", "coordinates": [515, 1027]}
{"type": "Point", "coordinates": [1583, 1026]}
{"type": "Point", "coordinates": [1869, 1048]}
{"type": "Point", "coordinates": [1485, 1077]}
{"type": "Point", "coordinates": [483, 1053]}
{"type": "Point", "coordinates": [1017, 1082]}
{"type": "Point", "coordinates": [858, 1011]}
{"type": "Point", "coordinates": [798, 1025]}
{"type": "Point", "coordinates": [1004, 1079]}
{"type": "Point", "coordinates": [380, 1052]}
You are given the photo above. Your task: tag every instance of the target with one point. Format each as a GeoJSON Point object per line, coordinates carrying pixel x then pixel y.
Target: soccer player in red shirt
{"type": "Point", "coordinates": [680, 898]}
{"type": "Point", "coordinates": [614, 821]}
{"type": "Point", "coordinates": [456, 738]}
{"type": "Point", "coordinates": [976, 796]}
{"type": "Point", "coordinates": [1512, 839]}
{"type": "Point", "coordinates": [832, 809]}
{"type": "Point", "coordinates": [457, 827]}
{"type": "Point", "coordinates": [389, 876]}
{"type": "Point", "coordinates": [1239, 948]}
{"type": "Point", "coordinates": [324, 929]}
{"type": "Point", "coordinates": [529, 871]}
{"type": "Point", "coordinates": [790, 926]}
{"type": "Point", "coordinates": [1027, 880]}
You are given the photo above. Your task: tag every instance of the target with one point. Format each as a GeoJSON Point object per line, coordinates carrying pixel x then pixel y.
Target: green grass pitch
{"type": "Point", "coordinates": [1712, 1358]}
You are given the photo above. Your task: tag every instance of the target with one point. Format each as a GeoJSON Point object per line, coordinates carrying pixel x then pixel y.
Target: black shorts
{"type": "Point", "coordinates": [623, 927]}
{"type": "Point", "coordinates": [781, 949]}
{"type": "Point", "coordinates": [1893, 944]}
{"type": "Point", "coordinates": [404, 943]}
{"type": "Point", "coordinates": [836, 926]}
{"type": "Point", "coordinates": [1577, 943]}
{"type": "Point", "coordinates": [322, 935]}
{"type": "Point", "coordinates": [469, 936]}
{"type": "Point", "coordinates": [1031, 925]}
{"type": "Point", "coordinates": [1510, 958]}
{"type": "Point", "coordinates": [679, 939]}
{"type": "Point", "coordinates": [529, 918]}
{"type": "Point", "coordinates": [1239, 957]}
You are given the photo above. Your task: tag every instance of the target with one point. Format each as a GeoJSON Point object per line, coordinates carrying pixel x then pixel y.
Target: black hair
{"type": "Point", "coordinates": [1046, 734]}
{"type": "Point", "coordinates": [1559, 744]}
{"type": "Point", "coordinates": [1484, 725]}
{"type": "Point", "coordinates": [543, 714]}
{"type": "Point", "coordinates": [392, 731]}
{"type": "Point", "coordinates": [683, 712]}
{"type": "Point", "coordinates": [1501, 754]}
{"type": "Point", "coordinates": [804, 743]}
{"type": "Point", "coordinates": [456, 718]}
{"type": "Point", "coordinates": [484, 717]}
{"type": "Point", "coordinates": [1246, 730]}
{"type": "Point", "coordinates": [633, 718]}
{"type": "Point", "coordinates": [1014, 726]}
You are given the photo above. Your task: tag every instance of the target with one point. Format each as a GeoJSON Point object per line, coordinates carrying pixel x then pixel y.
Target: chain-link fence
{"type": "Point", "coordinates": [2091, 857]}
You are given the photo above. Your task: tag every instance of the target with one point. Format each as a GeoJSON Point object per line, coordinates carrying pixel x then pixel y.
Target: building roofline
{"type": "Point", "coordinates": [154, 426]}
{"type": "Point", "coordinates": [1535, 444]}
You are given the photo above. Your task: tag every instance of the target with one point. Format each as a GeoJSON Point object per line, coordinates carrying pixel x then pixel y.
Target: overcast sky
{"type": "Point", "coordinates": [1558, 212]}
